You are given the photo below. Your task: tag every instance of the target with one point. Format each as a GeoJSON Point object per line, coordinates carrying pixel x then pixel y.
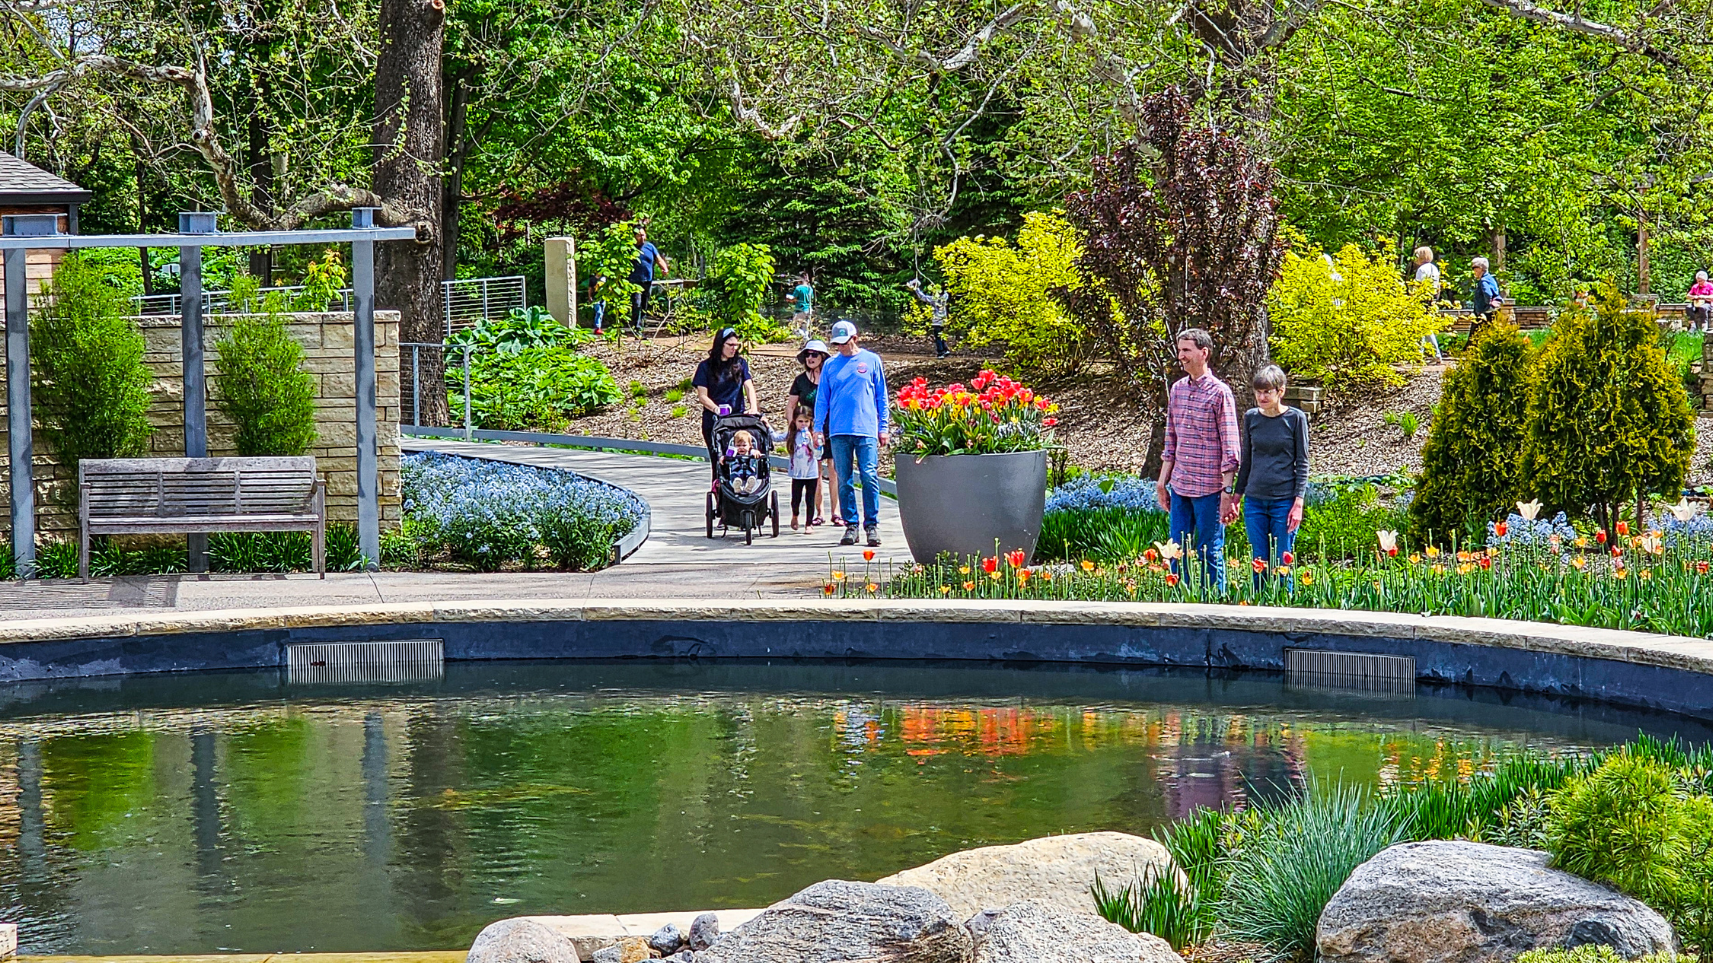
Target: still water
{"type": "Point", "coordinates": [233, 813]}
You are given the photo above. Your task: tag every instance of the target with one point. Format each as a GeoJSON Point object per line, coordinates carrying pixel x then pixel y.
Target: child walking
{"type": "Point", "coordinates": [805, 466]}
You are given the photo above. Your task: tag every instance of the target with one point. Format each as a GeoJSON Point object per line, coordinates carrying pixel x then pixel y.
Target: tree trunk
{"type": "Point", "coordinates": [262, 190]}
{"type": "Point", "coordinates": [458, 148]}
{"type": "Point", "coordinates": [409, 148]}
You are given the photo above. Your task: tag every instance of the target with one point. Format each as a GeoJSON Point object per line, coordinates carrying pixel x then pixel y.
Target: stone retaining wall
{"type": "Point", "coordinates": [328, 347]}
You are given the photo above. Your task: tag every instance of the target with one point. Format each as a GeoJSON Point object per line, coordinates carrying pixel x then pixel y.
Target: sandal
{"type": "Point", "coordinates": [817, 520]}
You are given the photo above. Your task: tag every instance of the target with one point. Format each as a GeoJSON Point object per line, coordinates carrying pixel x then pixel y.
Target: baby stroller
{"type": "Point", "coordinates": [732, 508]}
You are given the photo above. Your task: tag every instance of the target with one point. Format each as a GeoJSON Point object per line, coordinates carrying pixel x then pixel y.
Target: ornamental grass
{"type": "Point", "coordinates": [1652, 581]}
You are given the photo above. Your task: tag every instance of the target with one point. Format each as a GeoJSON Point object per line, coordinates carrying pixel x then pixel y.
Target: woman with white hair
{"type": "Point", "coordinates": [1427, 279]}
{"type": "Point", "coordinates": [1483, 294]}
{"type": "Point", "coordinates": [1700, 314]}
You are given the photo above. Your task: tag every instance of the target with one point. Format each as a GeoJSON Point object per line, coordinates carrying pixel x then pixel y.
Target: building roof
{"type": "Point", "coordinates": [25, 183]}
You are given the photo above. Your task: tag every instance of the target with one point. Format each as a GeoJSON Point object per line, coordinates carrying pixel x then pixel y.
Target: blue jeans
{"type": "Point", "coordinates": [600, 309]}
{"type": "Point", "coordinates": [1269, 536]}
{"type": "Point", "coordinates": [1195, 522]}
{"type": "Point", "coordinates": [865, 450]}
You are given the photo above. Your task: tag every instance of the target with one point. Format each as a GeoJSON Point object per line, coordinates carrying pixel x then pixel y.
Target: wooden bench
{"type": "Point", "coordinates": [136, 496]}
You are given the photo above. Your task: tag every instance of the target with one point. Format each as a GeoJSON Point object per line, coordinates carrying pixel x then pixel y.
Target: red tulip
{"type": "Point", "coordinates": [1623, 528]}
{"type": "Point", "coordinates": [1015, 558]}
{"type": "Point", "coordinates": [1486, 562]}
{"type": "Point", "coordinates": [1287, 558]}
{"type": "Point", "coordinates": [1171, 579]}
{"type": "Point", "coordinates": [1500, 529]}
{"type": "Point", "coordinates": [990, 564]}
{"type": "Point", "coordinates": [1049, 422]}
{"type": "Point", "coordinates": [1600, 536]}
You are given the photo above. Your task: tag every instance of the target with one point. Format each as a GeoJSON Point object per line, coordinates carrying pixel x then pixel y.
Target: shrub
{"type": "Point", "coordinates": [1001, 293]}
{"type": "Point", "coordinates": [1609, 421]}
{"type": "Point", "coordinates": [1472, 462]}
{"type": "Point", "coordinates": [738, 283]}
{"type": "Point", "coordinates": [1589, 953]}
{"type": "Point", "coordinates": [1624, 824]}
{"type": "Point", "coordinates": [610, 253]}
{"type": "Point", "coordinates": [537, 388]}
{"type": "Point", "coordinates": [88, 380]}
{"type": "Point", "coordinates": [262, 386]}
{"type": "Point", "coordinates": [520, 328]}
{"type": "Point", "coordinates": [1284, 873]}
{"type": "Point", "coordinates": [1346, 329]}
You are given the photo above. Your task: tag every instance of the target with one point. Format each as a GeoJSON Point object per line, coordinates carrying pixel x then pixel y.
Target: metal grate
{"type": "Point", "coordinates": [1389, 675]}
{"type": "Point", "coordinates": [408, 660]}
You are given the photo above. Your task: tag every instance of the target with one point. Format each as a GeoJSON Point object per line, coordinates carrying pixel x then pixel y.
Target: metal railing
{"type": "Point", "coordinates": [469, 300]}
{"type": "Point", "coordinates": [410, 397]}
{"type": "Point", "coordinates": [463, 302]}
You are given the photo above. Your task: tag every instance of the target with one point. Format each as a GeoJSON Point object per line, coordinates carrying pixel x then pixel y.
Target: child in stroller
{"type": "Point", "coordinates": [743, 495]}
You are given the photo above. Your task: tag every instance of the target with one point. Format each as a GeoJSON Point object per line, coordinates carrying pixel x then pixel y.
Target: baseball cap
{"type": "Point", "coordinates": [842, 332]}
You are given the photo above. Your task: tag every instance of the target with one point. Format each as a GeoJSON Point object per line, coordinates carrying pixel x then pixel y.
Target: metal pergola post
{"type": "Point", "coordinates": [194, 367]}
{"type": "Point", "coordinates": [23, 233]}
{"type": "Point", "coordinates": [368, 447]}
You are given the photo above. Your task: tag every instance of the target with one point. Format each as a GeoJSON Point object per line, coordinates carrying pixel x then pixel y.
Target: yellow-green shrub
{"type": "Point", "coordinates": [1347, 329]}
{"type": "Point", "coordinates": [1000, 292]}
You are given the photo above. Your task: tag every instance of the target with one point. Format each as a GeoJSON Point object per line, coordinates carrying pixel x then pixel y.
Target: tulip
{"type": "Point", "coordinates": [1049, 422]}
{"type": "Point", "coordinates": [868, 554]}
{"type": "Point", "coordinates": [1015, 558]}
{"type": "Point", "coordinates": [945, 589]}
{"type": "Point", "coordinates": [827, 588]}
{"type": "Point", "coordinates": [1149, 555]}
{"type": "Point", "coordinates": [1500, 529]}
{"type": "Point", "coordinates": [1701, 568]}
{"type": "Point", "coordinates": [871, 586]}
{"type": "Point", "coordinates": [969, 586]}
{"type": "Point", "coordinates": [1653, 545]}
{"type": "Point", "coordinates": [1528, 510]}
{"type": "Point", "coordinates": [1088, 566]}
{"type": "Point", "coordinates": [1623, 528]}
{"type": "Point", "coordinates": [1170, 549]}
{"type": "Point", "coordinates": [839, 575]}
{"type": "Point", "coordinates": [1171, 579]}
{"type": "Point", "coordinates": [990, 564]}
{"type": "Point", "coordinates": [1260, 565]}
{"type": "Point", "coordinates": [1287, 558]}
{"type": "Point", "coordinates": [1683, 511]}
{"type": "Point", "coordinates": [1388, 541]}
{"type": "Point", "coordinates": [1600, 537]}
{"type": "Point", "coordinates": [1432, 552]}
{"type": "Point", "coordinates": [1486, 562]}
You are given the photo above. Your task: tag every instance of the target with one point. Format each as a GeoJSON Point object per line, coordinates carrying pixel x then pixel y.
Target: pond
{"type": "Point", "coordinates": [234, 813]}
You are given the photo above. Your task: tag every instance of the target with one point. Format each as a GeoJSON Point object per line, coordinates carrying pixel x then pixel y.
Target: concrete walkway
{"type": "Point", "coordinates": [677, 561]}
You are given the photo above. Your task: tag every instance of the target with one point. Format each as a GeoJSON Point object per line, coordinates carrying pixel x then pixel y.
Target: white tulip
{"type": "Point", "coordinates": [1683, 511]}
{"type": "Point", "coordinates": [1529, 510]}
{"type": "Point", "coordinates": [1170, 549]}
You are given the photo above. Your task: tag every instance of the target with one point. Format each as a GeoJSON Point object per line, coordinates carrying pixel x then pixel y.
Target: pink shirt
{"type": "Point", "coordinates": [1201, 435]}
{"type": "Point", "coordinates": [1702, 289]}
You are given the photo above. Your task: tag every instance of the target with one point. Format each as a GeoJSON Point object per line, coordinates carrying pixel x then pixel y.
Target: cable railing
{"type": "Point", "coordinates": [411, 398]}
{"type": "Point", "coordinates": [464, 302]}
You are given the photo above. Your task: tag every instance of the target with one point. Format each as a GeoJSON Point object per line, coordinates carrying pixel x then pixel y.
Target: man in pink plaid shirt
{"type": "Point", "coordinates": [1201, 458]}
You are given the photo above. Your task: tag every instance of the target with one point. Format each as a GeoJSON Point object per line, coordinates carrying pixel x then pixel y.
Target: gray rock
{"type": "Point", "coordinates": [1458, 902]}
{"type": "Point", "coordinates": [1026, 933]}
{"type": "Point", "coordinates": [666, 940]}
{"type": "Point", "coordinates": [704, 930]}
{"type": "Point", "coordinates": [1053, 872]}
{"type": "Point", "coordinates": [683, 956]}
{"type": "Point", "coordinates": [521, 941]}
{"type": "Point", "coordinates": [838, 920]}
{"type": "Point", "coordinates": [607, 954]}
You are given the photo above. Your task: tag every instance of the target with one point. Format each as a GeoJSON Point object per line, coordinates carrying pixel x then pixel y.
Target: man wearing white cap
{"type": "Point", "coordinates": [850, 419]}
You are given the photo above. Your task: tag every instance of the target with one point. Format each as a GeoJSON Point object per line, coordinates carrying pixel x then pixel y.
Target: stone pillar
{"type": "Point", "coordinates": [562, 280]}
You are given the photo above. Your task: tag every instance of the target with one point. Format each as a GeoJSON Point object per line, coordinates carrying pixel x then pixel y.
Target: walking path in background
{"type": "Point", "coordinates": [677, 561]}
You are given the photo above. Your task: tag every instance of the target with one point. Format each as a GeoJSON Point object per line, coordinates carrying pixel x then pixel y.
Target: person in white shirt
{"type": "Point", "coordinates": [1428, 272]}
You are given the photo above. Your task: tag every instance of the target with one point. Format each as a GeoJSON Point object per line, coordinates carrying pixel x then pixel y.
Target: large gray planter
{"type": "Point", "coordinates": [964, 504]}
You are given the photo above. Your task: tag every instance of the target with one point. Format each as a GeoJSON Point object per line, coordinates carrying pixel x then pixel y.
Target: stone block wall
{"type": "Point", "coordinates": [328, 347]}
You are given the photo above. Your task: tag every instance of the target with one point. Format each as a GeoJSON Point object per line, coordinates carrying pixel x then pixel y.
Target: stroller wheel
{"type": "Point", "coordinates": [749, 527]}
{"type": "Point", "coordinates": [775, 509]}
{"type": "Point", "coordinates": [711, 514]}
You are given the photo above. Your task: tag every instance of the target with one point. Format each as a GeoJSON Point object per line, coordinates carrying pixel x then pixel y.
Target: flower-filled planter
{"type": "Point", "coordinates": [972, 466]}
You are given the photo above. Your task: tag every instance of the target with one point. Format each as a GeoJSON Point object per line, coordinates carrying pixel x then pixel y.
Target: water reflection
{"type": "Point", "coordinates": [228, 813]}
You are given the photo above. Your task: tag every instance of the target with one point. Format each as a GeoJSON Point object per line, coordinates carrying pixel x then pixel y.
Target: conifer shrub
{"type": "Point", "coordinates": [89, 384]}
{"type": "Point", "coordinates": [1609, 421]}
{"type": "Point", "coordinates": [1472, 463]}
{"type": "Point", "coordinates": [262, 386]}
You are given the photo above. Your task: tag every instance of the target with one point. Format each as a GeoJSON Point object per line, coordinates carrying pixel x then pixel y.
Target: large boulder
{"type": "Point", "coordinates": [521, 941]}
{"type": "Point", "coordinates": [1457, 902]}
{"type": "Point", "coordinates": [1025, 933]}
{"type": "Point", "coordinates": [837, 920]}
{"type": "Point", "coordinates": [1053, 872]}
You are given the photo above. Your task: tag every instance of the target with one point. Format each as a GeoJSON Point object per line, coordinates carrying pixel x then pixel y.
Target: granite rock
{"type": "Point", "coordinates": [1025, 933]}
{"type": "Point", "coordinates": [521, 941]}
{"type": "Point", "coordinates": [704, 930]}
{"type": "Point", "coordinates": [837, 920]}
{"type": "Point", "coordinates": [1053, 872]}
{"type": "Point", "coordinates": [666, 940]}
{"type": "Point", "coordinates": [1462, 902]}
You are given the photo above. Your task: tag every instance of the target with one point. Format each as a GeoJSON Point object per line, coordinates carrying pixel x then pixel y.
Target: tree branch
{"type": "Point", "coordinates": [1578, 24]}
{"type": "Point", "coordinates": [1107, 65]}
{"type": "Point", "coordinates": [964, 56]}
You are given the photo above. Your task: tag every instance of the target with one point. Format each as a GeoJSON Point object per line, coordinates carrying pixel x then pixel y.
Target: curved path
{"type": "Point", "coordinates": [677, 561]}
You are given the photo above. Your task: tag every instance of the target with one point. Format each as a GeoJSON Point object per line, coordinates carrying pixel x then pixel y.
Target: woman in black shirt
{"type": "Point", "coordinates": [803, 394]}
{"type": "Point", "coordinates": [723, 386]}
{"type": "Point", "coordinates": [1273, 474]}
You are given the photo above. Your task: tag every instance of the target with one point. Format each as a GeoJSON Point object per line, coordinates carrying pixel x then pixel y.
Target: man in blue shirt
{"type": "Point", "coordinates": [1484, 294]}
{"type": "Point", "coordinates": [647, 256]}
{"type": "Point", "coordinates": [850, 416]}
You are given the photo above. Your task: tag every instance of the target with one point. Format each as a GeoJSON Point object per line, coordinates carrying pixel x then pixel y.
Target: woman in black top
{"type": "Point", "coordinates": [723, 386]}
{"type": "Point", "coordinates": [803, 394]}
{"type": "Point", "coordinates": [1273, 475]}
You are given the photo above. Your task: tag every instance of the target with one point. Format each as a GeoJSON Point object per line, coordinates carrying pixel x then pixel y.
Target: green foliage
{"type": "Point", "coordinates": [1103, 534]}
{"type": "Point", "coordinates": [261, 385]}
{"type": "Point", "coordinates": [576, 540]}
{"type": "Point", "coordinates": [88, 380]}
{"type": "Point", "coordinates": [536, 388]}
{"type": "Point", "coordinates": [607, 257]}
{"type": "Point", "coordinates": [1608, 419]}
{"type": "Point", "coordinates": [1346, 329]}
{"type": "Point", "coordinates": [1625, 824]}
{"type": "Point", "coordinates": [1343, 526]}
{"type": "Point", "coordinates": [1002, 293]}
{"type": "Point", "coordinates": [1404, 421]}
{"type": "Point", "coordinates": [520, 328]}
{"type": "Point", "coordinates": [1472, 463]}
{"type": "Point", "coordinates": [283, 551]}
{"type": "Point", "coordinates": [1157, 904]}
{"type": "Point", "coordinates": [1589, 953]}
{"type": "Point", "coordinates": [740, 277]}
{"type": "Point", "coordinates": [322, 282]}
{"type": "Point", "coordinates": [1285, 870]}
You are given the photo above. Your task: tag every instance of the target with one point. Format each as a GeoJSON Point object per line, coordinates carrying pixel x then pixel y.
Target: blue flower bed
{"type": "Point", "coordinates": [488, 514]}
{"type": "Point", "coordinates": [1698, 528]}
{"type": "Point", "coordinates": [1538, 533]}
{"type": "Point", "coordinates": [1091, 492]}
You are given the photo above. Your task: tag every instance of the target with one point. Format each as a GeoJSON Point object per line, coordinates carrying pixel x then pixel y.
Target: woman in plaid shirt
{"type": "Point", "coordinates": [1201, 458]}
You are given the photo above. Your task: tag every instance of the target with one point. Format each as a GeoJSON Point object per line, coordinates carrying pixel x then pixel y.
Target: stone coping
{"type": "Point", "coordinates": [1636, 648]}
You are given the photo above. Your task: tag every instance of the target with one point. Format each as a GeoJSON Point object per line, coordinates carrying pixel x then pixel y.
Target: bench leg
{"type": "Point", "coordinates": [83, 552]}
{"type": "Point", "coordinates": [321, 550]}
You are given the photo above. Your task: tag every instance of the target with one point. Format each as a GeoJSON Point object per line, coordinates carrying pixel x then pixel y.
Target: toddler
{"type": "Point", "coordinates": [805, 464]}
{"type": "Point", "coordinates": [744, 467]}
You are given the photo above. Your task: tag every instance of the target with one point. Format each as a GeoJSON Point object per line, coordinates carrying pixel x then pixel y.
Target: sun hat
{"type": "Point", "coordinates": [816, 345]}
{"type": "Point", "coordinates": [842, 332]}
